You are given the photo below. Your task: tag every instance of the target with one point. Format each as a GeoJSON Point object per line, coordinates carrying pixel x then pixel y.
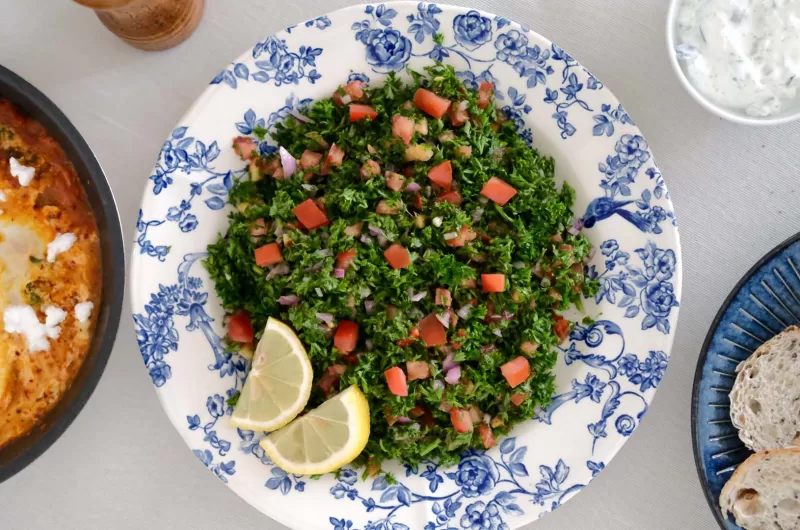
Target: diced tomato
{"type": "Point", "coordinates": [421, 126]}
{"type": "Point", "coordinates": [331, 377]}
{"type": "Point", "coordinates": [354, 89]}
{"type": "Point", "coordinates": [240, 329]}
{"type": "Point", "coordinates": [561, 327]}
{"type": "Point", "coordinates": [556, 238]}
{"type": "Point", "coordinates": [493, 283]}
{"type": "Point", "coordinates": [518, 398]}
{"type": "Point", "coordinates": [346, 336]}
{"type": "Point", "coordinates": [387, 208]}
{"type": "Point", "coordinates": [462, 423]}
{"type": "Point", "coordinates": [469, 283]}
{"type": "Point", "coordinates": [442, 175]}
{"type": "Point", "coordinates": [417, 411]}
{"type": "Point", "coordinates": [405, 343]}
{"type": "Point", "coordinates": [457, 115]}
{"type": "Point", "coordinates": [443, 297]}
{"type": "Point", "coordinates": [430, 103]}
{"type": "Point", "coordinates": [397, 256]}
{"type": "Point", "coordinates": [245, 147]}
{"type": "Point", "coordinates": [428, 420]}
{"type": "Point", "coordinates": [259, 228]}
{"type": "Point", "coordinates": [335, 156]}
{"type": "Point", "coordinates": [403, 128]}
{"type": "Point", "coordinates": [529, 348]}
{"type": "Point", "coordinates": [516, 371]}
{"type": "Point", "coordinates": [432, 331]}
{"type": "Point", "coordinates": [267, 255]}
{"type": "Point", "coordinates": [309, 215]}
{"type": "Point", "coordinates": [417, 201]}
{"type": "Point", "coordinates": [486, 436]}
{"type": "Point", "coordinates": [362, 112]}
{"type": "Point", "coordinates": [485, 93]}
{"type": "Point", "coordinates": [453, 197]}
{"type": "Point", "coordinates": [345, 259]}
{"type": "Point", "coordinates": [395, 181]}
{"type": "Point", "coordinates": [370, 169]}
{"type": "Point", "coordinates": [464, 152]}
{"type": "Point", "coordinates": [310, 159]}
{"type": "Point", "coordinates": [498, 191]}
{"type": "Point", "coordinates": [417, 370]}
{"type": "Point", "coordinates": [465, 234]}
{"type": "Point", "coordinates": [354, 230]}
{"type": "Point", "coordinates": [396, 380]}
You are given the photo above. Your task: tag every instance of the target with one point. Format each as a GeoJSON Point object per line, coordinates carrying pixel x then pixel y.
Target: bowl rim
{"type": "Point", "coordinates": [32, 102]}
{"type": "Point", "coordinates": [701, 361]}
{"type": "Point", "coordinates": [718, 110]}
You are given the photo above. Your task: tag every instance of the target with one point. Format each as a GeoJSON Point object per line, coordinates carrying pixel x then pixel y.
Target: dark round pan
{"type": "Point", "coordinates": [36, 105]}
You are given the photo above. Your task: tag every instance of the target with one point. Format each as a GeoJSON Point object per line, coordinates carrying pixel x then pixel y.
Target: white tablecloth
{"type": "Point", "coordinates": [122, 466]}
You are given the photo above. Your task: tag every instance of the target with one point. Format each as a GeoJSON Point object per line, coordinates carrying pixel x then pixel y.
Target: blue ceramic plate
{"type": "Point", "coordinates": [764, 302]}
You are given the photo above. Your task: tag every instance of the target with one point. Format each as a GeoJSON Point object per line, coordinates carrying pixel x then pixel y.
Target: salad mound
{"type": "Point", "coordinates": [420, 249]}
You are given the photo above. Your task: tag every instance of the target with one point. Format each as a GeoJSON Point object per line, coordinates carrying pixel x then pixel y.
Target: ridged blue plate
{"type": "Point", "coordinates": [764, 302]}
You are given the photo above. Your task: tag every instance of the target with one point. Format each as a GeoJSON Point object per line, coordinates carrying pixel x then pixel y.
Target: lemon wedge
{"type": "Point", "coordinates": [279, 383]}
{"type": "Point", "coordinates": [325, 439]}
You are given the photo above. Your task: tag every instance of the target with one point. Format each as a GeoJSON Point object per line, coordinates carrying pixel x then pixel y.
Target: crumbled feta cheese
{"type": "Point", "coordinates": [53, 317]}
{"type": "Point", "coordinates": [83, 311]}
{"type": "Point", "coordinates": [62, 243]}
{"type": "Point", "coordinates": [24, 174]}
{"type": "Point", "coordinates": [23, 320]}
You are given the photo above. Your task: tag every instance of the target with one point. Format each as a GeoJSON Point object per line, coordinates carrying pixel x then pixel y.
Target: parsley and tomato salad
{"type": "Point", "coordinates": [420, 249]}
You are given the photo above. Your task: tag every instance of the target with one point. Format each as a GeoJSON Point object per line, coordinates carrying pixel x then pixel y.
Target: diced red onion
{"type": "Point", "coordinates": [518, 264]}
{"type": "Point", "coordinates": [482, 199]}
{"type": "Point", "coordinates": [464, 311]}
{"type": "Point", "coordinates": [309, 187]}
{"type": "Point", "coordinates": [290, 300]}
{"type": "Point", "coordinates": [278, 229]}
{"type": "Point", "coordinates": [438, 384]}
{"type": "Point", "coordinates": [444, 319]}
{"type": "Point", "coordinates": [453, 375]}
{"type": "Point", "coordinates": [339, 273]}
{"type": "Point", "coordinates": [368, 344]}
{"type": "Point", "coordinates": [487, 418]}
{"type": "Point", "coordinates": [418, 296]}
{"type": "Point", "coordinates": [314, 268]}
{"type": "Point", "coordinates": [288, 163]}
{"type": "Point", "coordinates": [364, 293]}
{"type": "Point", "coordinates": [402, 419]}
{"type": "Point", "coordinates": [278, 270]}
{"type": "Point", "coordinates": [489, 348]}
{"type": "Point", "coordinates": [325, 252]}
{"type": "Point", "coordinates": [300, 117]}
{"type": "Point", "coordinates": [382, 241]}
{"type": "Point", "coordinates": [366, 239]}
{"type": "Point", "coordinates": [369, 305]}
{"type": "Point", "coordinates": [346, 99]}
{"type": "Point", "coordinates": [324, 317]}
{"type": "Point", "coordinates": [477, 215]}
{"type": "Point", "coordinates": [577, 226]}
{"type": "Point", "coordinates": [448, 363]}
{"type": "Point", "coordinates": [413, 187]}
{"type": "Point", "coordinates": [463, 105]}
{"type": "Point", "coordinates": [450, 235]}
{"type": "Point", "coordinates": [498, 332]}
{"type": "Point", "coordinates": [318, 291]}
{"type": "Point", "coordinates": [375, 231]}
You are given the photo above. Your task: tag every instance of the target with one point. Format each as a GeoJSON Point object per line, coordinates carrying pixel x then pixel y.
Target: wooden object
{"type": "Point", "coordinates": [149, 24]}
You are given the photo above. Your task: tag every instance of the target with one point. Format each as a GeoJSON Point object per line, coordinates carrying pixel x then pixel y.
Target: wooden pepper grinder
{"type": "Point", "coordinates": [149, 24]}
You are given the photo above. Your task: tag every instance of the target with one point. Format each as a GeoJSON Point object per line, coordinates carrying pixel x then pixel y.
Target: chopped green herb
{"type": "Point", "coordinates": [35, 260]}
{"type": "Point", "coordinates": [234, 399]}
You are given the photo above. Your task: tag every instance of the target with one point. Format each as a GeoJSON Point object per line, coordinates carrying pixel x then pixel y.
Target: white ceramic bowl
{"type": "Point", "coordinates": [788, 114]}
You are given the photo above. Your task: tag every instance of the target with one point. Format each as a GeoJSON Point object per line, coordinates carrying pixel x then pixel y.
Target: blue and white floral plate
{"type": "Point", "coordinates": [764, 302]}
{"type": "Point", "coordinates": [608, 371]}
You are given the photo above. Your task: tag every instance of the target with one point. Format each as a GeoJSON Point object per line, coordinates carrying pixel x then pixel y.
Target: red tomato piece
{"type": "Point", "coordinates": [397, 256]}
{"type": "Point", "coordinates": [310, 159]}
{"type": "Point", "coordinates": [516, 371]}
{"type": "Point", "coordinates": [485, 93]}
{"type": "Point", "coordinates": [465, 234]}
{"type": "Point", "coordinates": [486, 436]}
{"type": "Point", "coordinates": [354, 230]}
{"type": "Point", "coordinates": [417, 370]}
{"type": "Point", "coordinates": [453, 197]}
{"type": "Point", "coordinates": [518, 398]}
{"type": "Point", "coordinates": [346, 336]}
{"type": "Point", "coordinates": [269, 254]}
{"type": "Point", "coordinates": [443, 297]}
{"type": "Point", "coordinates": [493, 283]}
{"type": "Point", "coordinates": [335, 156]}
{"type": "Point", "coordinates": [498, 191]}
{"type": "Point", "coordinates": [345, 259]}
{"type": "Point", "coordinates": [309, 215]}
{"type": "Point", "coordinates": [442, 175]}
{"type": "Point", "coordinates": [457, 115]}
{"type": "Point", "coordinates": [395, 181]}
{"type": "Point", "coordinates": [403, 128]}
{"type": "Point", "coordinates": [432, 331]}
{"type": "Point", "coordinates": [354, 89]}
{"type": "Point", "coordinates": [331, 377]}
{"type": "Point", "coordinates": [430, 103]}
{"type": "Point", "coordinates": [240, 329]}
{"type": "Point", "coordinates": [396, 381]}
{"type": "Point", "coordinates": [362, 112]}
{"type": "Point", "coordinates": [462, 422]}
{"type": "Point", "coordinates": [561, 327]}
{"type": "Point", "coordinates": [245, 147]}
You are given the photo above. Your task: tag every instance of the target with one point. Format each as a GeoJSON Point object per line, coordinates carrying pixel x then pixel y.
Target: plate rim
{"type": "Point", "coordinates": [701, 361]}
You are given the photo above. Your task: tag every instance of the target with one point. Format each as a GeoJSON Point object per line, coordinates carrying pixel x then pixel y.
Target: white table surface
{"type": "Point", "coordinates": [122, 466]}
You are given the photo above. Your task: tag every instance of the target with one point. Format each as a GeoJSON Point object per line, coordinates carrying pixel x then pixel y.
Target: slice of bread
{"type": "Point", "coordinates": [765, 399]}
{"type": "Point", "coordinates": [764, 492]}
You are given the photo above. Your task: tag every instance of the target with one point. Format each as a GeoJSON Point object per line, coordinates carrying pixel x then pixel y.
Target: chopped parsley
{"type": "Point", "coordinates": [451, 242]}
